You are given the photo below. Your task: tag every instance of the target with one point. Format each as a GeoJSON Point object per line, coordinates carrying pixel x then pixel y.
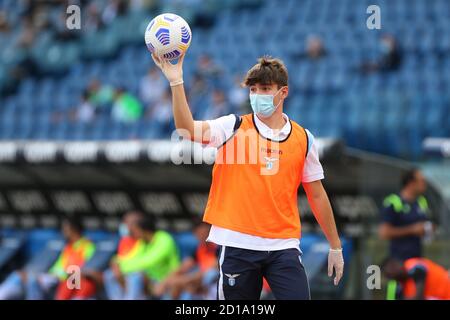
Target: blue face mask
{"type": "Point", "coordinates": [262, 104]}
{"type": "Point", "coordinates": [123, 230]}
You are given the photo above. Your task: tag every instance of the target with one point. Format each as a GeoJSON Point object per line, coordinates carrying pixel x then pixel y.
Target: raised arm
{"type": "Point", "coordinates": [187, 127]}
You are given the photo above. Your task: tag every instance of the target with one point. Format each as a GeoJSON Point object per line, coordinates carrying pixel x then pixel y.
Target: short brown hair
{"type": "Point", "coordinates": [267, 71]}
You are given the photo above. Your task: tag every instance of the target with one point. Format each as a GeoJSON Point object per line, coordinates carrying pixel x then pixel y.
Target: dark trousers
{"type": "Point", "coordinates": [242, 272]}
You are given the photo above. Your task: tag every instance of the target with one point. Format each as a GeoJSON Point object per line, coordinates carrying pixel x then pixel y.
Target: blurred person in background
{"type": "Point", "coordinates": [239, 97]}
{"type": "Point", "coordinates": [114, 9]}
{"type": "Point", "coordinates": [143, 4]}
{"type": "Point", "coordinates": [219, 105]}
{"type": "Point", "coordinates": [93, 19]}
{"type": "Point", "coordinates": [405, 217]}
{"type": "Point", "coordinates": [85, 112]}
{"type": "Point", "coordinates": [152, 87]}
{"type": "Point", "coordinates": [391, 56]}
{"type": "Point", "coordinates": [197, 276]}
{"type": "Point", "coordinates": [161, 111]}
{"type": "Point", "coordinates": [27, 35]}
{"type": "Point", "coordinates": [417, 279]}
{"type": "Point", "coordinates": [314, 49]}
{"type": "Point", "coordinates": [405, 221]}
{"type": "Point", "coordinates": [127, 108]}
{"type": "Point", "coordinates": [23, 45]}
{"type": "Point", "coordinates": [157, 258]}
{"type": "Point", "coordinates": [4, 23]}
{"type": "Point", "coordinates": [77, 252]}
{"type": "Point", "coordinates": [210, 71]}
{"type": "Point", "coordinates": [198, 94]}
{"type": "Point", "coordinates": [129, 247]}
{"type": "Point", "coordinates": [101, 96]}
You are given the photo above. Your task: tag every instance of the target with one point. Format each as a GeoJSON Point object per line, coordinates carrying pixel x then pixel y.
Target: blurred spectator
{"type": "Point", "coordinates": [239, 97]}
{"type": "Point", "coordinates": [156, 259]}
{"type": "Point", "coordinates": [315, 49]}
{"type": "Point", "coordinates": [391, 56]}
{"type": "Point", "coordinates": [27, 66]}
{"type": "Point", "coordinates": [219, 106]}
{"type": "Point", "coordinates": [85, 112]}
{"type": "Point", "coordinates": [152, 87]}
{"type": "Point", "coordinates": [143, 4]}
{"type": "Point", "coordinates": [93, 20]}
{"type": "Point", "coordinates": [114, 9]}
{"type": "Point", "coordinates": [4, 24]}
{"type": "Point", "coordinates": [197, 276]}
{"type": "Point", "coordinates": [208, 69]}
{"type": "Point", "coordinates": [37, 286]}
{"type": "Point", "coordinates": [136, 4]}
{"type": "Point", "coordinates": [162, 110]}
{"type": "Point", "coordinates": [129, 247]}
{"type": "Point", "coordinates": [101, 96]}
{"type": "Point", "coordinates": [41, 17]}
{"type": "Point", "coordinates": [405, 217]}
{"type": "Point", "coordinates": [418, 279]}
{"type": "Point", "coordinates": [198, 94]}
{"type": "Point", "coordinates": [28, 34]}
{"type": "Point", "coordinates": [127, 108]}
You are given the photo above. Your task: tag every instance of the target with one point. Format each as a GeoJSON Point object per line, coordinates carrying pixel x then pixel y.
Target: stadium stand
{"type": "Point", "coordinates": [385, 111]}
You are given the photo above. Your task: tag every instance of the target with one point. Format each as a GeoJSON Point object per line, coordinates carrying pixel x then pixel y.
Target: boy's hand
{"type": "Point", "coordinates": [336, 263]}
{"type": "Point", "coordinates": [173, 72]}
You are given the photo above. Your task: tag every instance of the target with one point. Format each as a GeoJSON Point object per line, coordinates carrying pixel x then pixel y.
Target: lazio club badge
{"type": "Point", "coordinates": [232, 279]}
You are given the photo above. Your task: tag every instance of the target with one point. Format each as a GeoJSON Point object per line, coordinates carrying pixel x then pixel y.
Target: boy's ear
{"type": "Point", "coordinates": [285, 91]}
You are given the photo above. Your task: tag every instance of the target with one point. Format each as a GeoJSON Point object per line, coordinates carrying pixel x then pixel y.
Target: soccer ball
{"type": "Point", "coordinates": [168, 35]}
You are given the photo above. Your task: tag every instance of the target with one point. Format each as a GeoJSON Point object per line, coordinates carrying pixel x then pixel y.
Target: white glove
{"type": "Point", "coordinates": [336, 262]}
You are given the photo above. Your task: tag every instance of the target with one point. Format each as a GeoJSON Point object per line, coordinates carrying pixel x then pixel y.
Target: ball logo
{"type": "Point", "coordinates": [185, 36]}
{"type": "Point", "coordinates": [151, 24]}
{"type": "Point", "coordinates": [163, 36]}
{"type": "Point", "coordinates": [172, 55]}
{"type": "Point", "coordinates": [170, 17]}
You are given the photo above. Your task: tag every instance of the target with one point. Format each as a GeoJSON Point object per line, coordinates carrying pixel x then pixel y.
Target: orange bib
{"type": "Point", "coordinates": [437, 282]}
{"type": "Point", "coordinates": [255, 182]}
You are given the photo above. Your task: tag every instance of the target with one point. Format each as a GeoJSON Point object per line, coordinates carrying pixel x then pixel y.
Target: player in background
{"type": "Point", "coordinates": [197, 275]}
{"type": "Point", "coordinates": [157, 258]}
{"type": "Point", "coordinates": [129, 247]}
{"type": "Point", "coordinates": [252, 207]}
{"type": "Point", "coordinates": [31, 286]}
{"type": "Point", "coordinates": [417, 279]}
{"type": "Point", "coordinates": [405, 218]}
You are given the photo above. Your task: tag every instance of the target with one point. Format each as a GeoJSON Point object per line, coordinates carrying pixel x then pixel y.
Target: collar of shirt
{"type": "Point", "coordinates": [269, 133]}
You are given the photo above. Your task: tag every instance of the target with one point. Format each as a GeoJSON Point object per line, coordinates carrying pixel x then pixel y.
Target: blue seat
{"type": "Point", "coordinates": [11, 243]}
{"type": "Point", "coordinates": [105, 248]}
{"type": "Point", "coordinates": [44, 247]}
